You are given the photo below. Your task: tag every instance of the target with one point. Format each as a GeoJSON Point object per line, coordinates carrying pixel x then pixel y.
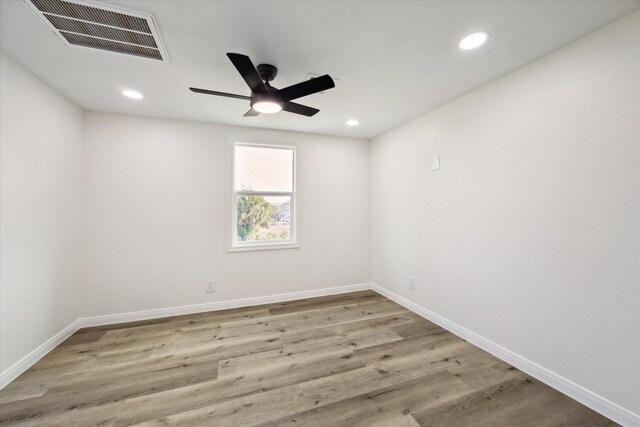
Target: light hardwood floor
{"type": "Point", "coordinates": [347, 360]}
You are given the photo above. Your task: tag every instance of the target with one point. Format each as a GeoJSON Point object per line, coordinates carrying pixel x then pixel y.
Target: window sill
{"type": "Point", "coordinates": [264, 247]}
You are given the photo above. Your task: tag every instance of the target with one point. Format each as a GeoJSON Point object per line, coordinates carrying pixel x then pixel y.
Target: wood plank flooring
{"type": "Point", "coordinates": [346, 360]}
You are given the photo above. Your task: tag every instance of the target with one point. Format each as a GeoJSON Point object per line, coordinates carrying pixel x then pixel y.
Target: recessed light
{"type": "Point", "coordinates": [473, 41]}
{"type": "Point", "coordinates": [353, 122]}
{"type": "Point", "coordinates": [132, 94]}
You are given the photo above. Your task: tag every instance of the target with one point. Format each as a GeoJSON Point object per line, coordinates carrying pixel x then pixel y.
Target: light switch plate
{"type": "Point", "coordinates": [435, 163]}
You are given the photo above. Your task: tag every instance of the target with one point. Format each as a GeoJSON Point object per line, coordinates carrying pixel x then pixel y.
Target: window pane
{"type": "Point", "coordinates": [263, 168]}
{"type": "Point", "coordinates": [263, 218]}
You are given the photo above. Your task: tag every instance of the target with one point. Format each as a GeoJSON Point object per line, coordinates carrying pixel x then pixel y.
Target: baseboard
{"type": "Point", "coordinates": [586, 397]}
{"type": "Point", "coordinates": [30, 359]}
{"type": "Point", "coordinates": [219, 305]}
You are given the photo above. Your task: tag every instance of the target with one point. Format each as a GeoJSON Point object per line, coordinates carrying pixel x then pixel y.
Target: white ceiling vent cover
{"type": "Point", "coordinates": [98, 26]}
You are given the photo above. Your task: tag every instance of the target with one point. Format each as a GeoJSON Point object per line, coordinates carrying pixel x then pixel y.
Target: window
{"type": "Point", "coordinates": [263, 203]}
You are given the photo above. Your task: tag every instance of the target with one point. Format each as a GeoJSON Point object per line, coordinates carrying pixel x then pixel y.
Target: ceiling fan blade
{"type": "Point", "coordinates": [292, 107]}
{"type": "Point", "coordinates": [251, 113]}
{"type": "Point", "coordinates": [213, 92]}
{"type": "Point", "coordinates": [307, 87]}
{"type": "Point", "coordinates": [248, 72]}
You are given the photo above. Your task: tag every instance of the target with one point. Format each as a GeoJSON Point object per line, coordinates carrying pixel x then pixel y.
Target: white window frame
{"type": "Point", "coordinates": [241, 246]}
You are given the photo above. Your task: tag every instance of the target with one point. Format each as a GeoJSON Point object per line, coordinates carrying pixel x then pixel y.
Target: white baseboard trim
{"type": "Point", "coordinates": [219, 305]}
{"type": "Point", "coordinates": [586, 397]}
{"type": "Point", "coordinates": [30, 359]}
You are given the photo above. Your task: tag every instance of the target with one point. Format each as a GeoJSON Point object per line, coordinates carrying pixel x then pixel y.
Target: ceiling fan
{"type": "Point", "coordinates": [266, 98]}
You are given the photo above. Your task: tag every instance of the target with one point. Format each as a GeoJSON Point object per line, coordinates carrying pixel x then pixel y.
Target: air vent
{"type": "Point", "coordinates": [98, 26]}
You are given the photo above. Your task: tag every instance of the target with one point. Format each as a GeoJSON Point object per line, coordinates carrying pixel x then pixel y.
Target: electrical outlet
{"type": "Point", "coordinates": [411, 283]}
{"type": "Point", "coordinates": [210, 286]}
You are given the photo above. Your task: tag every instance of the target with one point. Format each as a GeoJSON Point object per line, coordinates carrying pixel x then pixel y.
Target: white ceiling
{"type": "Point", "coordinates": [394, 60]}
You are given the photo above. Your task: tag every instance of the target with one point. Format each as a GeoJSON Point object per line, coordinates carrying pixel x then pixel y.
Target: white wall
{"type": "Point", "coordinates": [529, 235]}
{"type": "Point", "coordinates": [157, 215]}
{"type": "Point", "coordinates": [40, 179]}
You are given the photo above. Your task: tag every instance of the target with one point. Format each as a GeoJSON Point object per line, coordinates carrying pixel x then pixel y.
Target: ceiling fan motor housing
{"type": "Point", "coordinates": [267, 72]}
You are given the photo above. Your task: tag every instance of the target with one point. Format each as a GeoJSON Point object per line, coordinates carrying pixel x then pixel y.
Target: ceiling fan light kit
{"type": "Point", "coordinates": [266, 98]}
{"type": "Point", "coordinates": [266, 104]}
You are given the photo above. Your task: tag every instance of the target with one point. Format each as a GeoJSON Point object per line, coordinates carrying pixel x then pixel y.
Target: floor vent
{"type": "Point", "coordinates": [99, 26]}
